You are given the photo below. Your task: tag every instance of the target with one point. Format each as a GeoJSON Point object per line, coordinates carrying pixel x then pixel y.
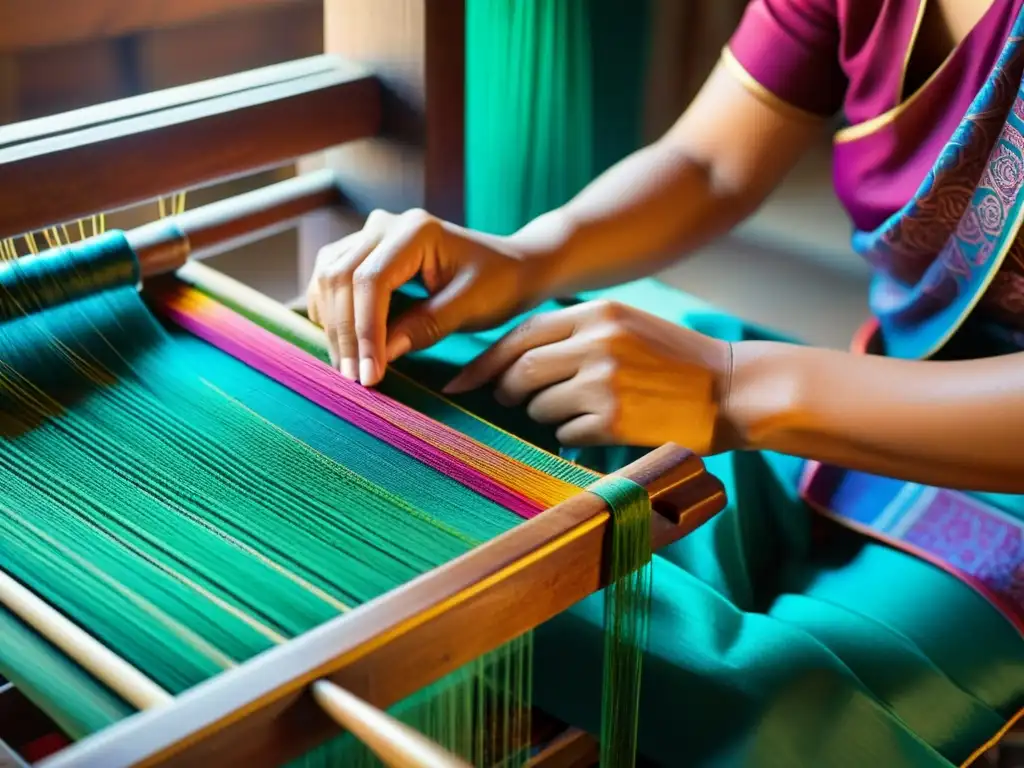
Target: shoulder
{"type": "Point", "coordinates": [810, 53]}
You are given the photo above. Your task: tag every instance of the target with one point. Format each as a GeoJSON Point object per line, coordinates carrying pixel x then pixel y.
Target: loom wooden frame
{"type": "Point", "coordinates": [273, 116]}
{"type": "Point", "coordinates": [366, 89]}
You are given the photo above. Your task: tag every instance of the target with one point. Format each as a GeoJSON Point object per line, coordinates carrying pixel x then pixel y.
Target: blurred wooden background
{"type": "Point", "coordinates": [57, 55]}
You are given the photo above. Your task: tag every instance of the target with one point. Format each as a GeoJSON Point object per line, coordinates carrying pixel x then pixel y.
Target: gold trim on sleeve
{"type": "Point", "coordinates": [762, 94]}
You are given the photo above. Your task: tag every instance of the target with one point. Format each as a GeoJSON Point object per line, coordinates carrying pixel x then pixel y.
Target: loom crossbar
{"type": "Point", "coordinates": [167, 98]}
{"type": "Point", "coordinates": [263, 713]}
{"type": "Point", "coordinates": [243, 129]}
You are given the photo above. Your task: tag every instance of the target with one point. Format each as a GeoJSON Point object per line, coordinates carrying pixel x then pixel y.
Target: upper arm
{"type": "Point", "coordinates": [776, 85]}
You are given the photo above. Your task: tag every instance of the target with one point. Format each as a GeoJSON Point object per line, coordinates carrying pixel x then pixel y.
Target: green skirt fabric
{"type": "Point", "coordinates": [777, 639]}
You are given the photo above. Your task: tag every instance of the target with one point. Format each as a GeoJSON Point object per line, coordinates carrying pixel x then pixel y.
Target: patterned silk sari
{"type": "Point", "coordinates": [946, 285]}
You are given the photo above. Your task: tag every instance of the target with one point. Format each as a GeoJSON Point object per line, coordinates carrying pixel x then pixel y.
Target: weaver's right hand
{"type": "Point", "coordinates": [474, 280]}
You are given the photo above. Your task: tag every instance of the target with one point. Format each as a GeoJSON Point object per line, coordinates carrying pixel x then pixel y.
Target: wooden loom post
{"type": "Point", "coordinates": [416, 49]}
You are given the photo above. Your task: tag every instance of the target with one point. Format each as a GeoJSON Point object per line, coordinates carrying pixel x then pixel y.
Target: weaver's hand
{"type": "Point", "coordinates": [474, 280]}
{"type": "Point", "coordinates": [608, 374]}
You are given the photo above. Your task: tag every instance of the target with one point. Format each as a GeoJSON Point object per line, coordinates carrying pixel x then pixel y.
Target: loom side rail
{"type": "Point", "coordinates": [263, 713]}
{"type": "Point", "coordinates": [111, 165]}
{"type": "Point", "coordinates": [166, 98]}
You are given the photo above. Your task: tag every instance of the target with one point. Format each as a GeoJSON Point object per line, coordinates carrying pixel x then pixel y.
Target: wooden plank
{"type": "Point", "coordinates": [28, 24]}
{"type": "Point", "coordinates": [9, 101]}
{"type": "Point", "coordinates": [130, 161]}
{"type": "Point", "coordinates": [572, 749]}
{"type": "Point", "coordinates": [261, 713]}
{"type": "Point", "coordinates": [168, 98]}
{"type": "Point", "coordinates": [417, 49]}
{"type": "Point", "coordinates": [170, 56]}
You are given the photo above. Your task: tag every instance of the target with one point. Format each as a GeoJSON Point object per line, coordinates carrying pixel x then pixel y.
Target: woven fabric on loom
{"type": "Point", "coordinates": [195, 492]}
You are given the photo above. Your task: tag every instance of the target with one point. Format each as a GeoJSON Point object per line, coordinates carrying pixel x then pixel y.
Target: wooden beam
{"type": "Point", "coordinates": [417, 49]}
{"type": "Point", "coordinates": [111, 165]}
{"type": "Point", "coordinates": [572, 749]}
{"type": "Point", "coordinates": [168, 98]}
{"type": "Point", "coordinates": [262, 713]}
{"type": "Point", "coordinates": [26, 24]}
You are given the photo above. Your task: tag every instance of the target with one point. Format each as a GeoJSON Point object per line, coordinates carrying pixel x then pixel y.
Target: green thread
{"type": "Point", "coordinates": [174, 519]}
{"type": "Point", "coordinates": [626, 616]}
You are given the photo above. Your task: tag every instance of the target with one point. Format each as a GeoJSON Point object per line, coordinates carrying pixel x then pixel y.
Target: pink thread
{"type": "Point", "coordinates": [366, 409]}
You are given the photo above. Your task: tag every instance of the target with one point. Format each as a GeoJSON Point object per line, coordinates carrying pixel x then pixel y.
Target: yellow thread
{"type": "Point", "coordinates": [994, 741]}
{"type": "Point", "coordinates": [81, 230]}
{"type": "Point", "coordinates": [67, 235]}
{"type": "Point", "coordinates": [162, 209]}
{"type": "Point", "coordinates": [30, 241]}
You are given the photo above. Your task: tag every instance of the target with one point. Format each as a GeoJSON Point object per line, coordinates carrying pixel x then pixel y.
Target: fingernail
{"type": "Point", "coordinates": [350, 369]}
{"type": "Point", "coordinates": [398, 346]}
{"type": "Point", "coordinates": [367, 372]}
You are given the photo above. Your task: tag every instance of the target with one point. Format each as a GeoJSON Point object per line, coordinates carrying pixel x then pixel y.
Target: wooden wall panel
{"type": "Point", "coordinates": [173, 46]}
{"type": "Point", "coordinates": [47, 23]}
{"type": "Point", "coordinates": [239, 42]}
{"type": "Point", "coordinates": [686, 41]}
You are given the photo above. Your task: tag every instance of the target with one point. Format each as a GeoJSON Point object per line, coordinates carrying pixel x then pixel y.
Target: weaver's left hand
{"type": "Point", "coordinates": [609, 374]}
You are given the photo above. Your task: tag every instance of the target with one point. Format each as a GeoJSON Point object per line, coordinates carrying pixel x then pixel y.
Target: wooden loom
{"type": "Point", "coordinates": [385, 107]}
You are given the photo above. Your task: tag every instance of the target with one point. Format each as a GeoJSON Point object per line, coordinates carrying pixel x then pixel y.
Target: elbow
{"type": "Point", "coordinates": [730, 193]}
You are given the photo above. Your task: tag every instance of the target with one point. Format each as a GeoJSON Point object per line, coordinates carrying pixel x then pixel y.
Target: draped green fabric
{"type": "Point", "coordinates": [776, 639]}
{"type": "Point", "coordinates": [554, 95]}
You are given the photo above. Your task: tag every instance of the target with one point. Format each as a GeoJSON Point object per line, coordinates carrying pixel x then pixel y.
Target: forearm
{"type": "Point", "coordinates": [651, 208]}
{"type": "Point", "coordinates": [710, 171]}
{"type": "Point", "coordinates": [949, 424]}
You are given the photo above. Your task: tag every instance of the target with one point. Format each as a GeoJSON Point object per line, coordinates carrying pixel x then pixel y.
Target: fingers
{"type": "Point", "coordinates": [538, 369]}
{"type": "Point", "coordinates": [335, 304]}
{"type": "Point", "coordinates": [590, 429]}
{"type": "Point", "coordinates": [535, 332]}
{"type": "Point", "coordinates": [432, 319]}
{"type": "Point", "coordinates": [350, 293]}
{"type": "Point", "coordinates": [396, 259]}
{"type": "Point", "coordinates": [560, 403]}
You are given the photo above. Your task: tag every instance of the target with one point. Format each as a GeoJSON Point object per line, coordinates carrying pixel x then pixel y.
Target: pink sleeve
{"type": "Point", "coordinates": [788, 50]}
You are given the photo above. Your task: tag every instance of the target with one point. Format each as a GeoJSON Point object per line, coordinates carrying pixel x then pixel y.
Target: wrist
{"type": "Point", "coordinates": [542, 247]}
{"type": "Point", "coordinates": [762, 397]}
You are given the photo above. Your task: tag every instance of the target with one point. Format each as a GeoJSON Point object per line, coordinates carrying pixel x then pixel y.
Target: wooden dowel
{"type": "Point", "coordinates": [165, 245]}
{"type": "Point", "coordinates": [393, 742]}
{"type": "Point", "coordinates": [111, 670]}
